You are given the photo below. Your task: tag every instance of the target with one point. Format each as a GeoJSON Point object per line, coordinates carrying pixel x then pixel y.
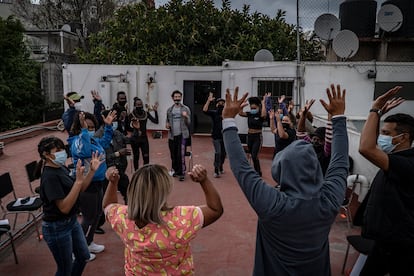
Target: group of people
{"type": "Point", "coordinates": [293, 221]}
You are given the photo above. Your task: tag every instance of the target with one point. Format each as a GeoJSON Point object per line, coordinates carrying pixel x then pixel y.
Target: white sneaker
{"type": "Point", "coordinates": [216, 175]}
{"type": "Point", "coordinates": [92, 257]}
{"type": "Point", "coordinates": [171, 172]}
{"type": "Point", "coordinates": [96, 248]}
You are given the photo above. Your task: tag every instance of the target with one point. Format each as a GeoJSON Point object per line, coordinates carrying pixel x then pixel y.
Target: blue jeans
{"type": "Point", "coordinates": [64, 237]}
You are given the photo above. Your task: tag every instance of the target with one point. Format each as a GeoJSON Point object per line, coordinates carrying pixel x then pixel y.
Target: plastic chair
{"type": "Point", "coordinates": [28, 205]}
{"type": "Point", "coordinates": [360, 244]}
{"type": "Point", "coordinates": [5, 229]}
{"type": "Point", "coordinates": [30, 170]}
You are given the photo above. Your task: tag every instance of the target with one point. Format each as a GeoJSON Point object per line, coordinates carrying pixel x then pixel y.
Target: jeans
{"type": "Point", "coordinates": [64, 237]}
{"type": "Point", "coordinates": [219, 153]}
{"type": "Point", "coordinates": [254, 143]}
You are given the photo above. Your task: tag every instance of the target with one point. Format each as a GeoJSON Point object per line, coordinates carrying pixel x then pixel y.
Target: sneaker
{"type": "Point", "coordinates": [216, 175]}
{"type": "Point", "coordinates": [96, 248]}
{"type": "Point", "coordinates": [91, 257]}
{"type": "Point", "coordinates": [171, 172]}
{"type": "Point", "coordinates": [221, 170]}
{"type": "Point", "coordinates": [181, 177]}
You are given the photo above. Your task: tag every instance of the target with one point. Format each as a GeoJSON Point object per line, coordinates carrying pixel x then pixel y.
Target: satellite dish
{"type": "Point", "coordinates": [390, 18]}
{"type": "Point", "coordinates": [345, 44]}
{"type": "Point", "coordinates": [66, 28]}
{"type": "Point", "coordinates": [263, 55]}
{"type": "Point", "coordinates": [327, 26]}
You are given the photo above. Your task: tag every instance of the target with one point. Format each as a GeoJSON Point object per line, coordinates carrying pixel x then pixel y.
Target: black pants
{"type": "Point", "coordinates": [254, 142]}
{"type": "Point", "coordinates": [177, 151]}
{"type": "Point", "coordinates": [397, 260]}
{"type": "Point", "coordinates": [137, 144]}
{"type": "Point", "coordinates": [90, 203]}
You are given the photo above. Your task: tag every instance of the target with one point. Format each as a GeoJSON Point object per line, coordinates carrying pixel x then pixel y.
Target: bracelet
{"type": "Point", "coordinates": [376, 110]}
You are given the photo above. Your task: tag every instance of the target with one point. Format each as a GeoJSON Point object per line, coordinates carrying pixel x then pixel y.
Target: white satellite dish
{"type": "Point", "coordinates": [263, 55]}
{"type": "Point", "coordinates": [345, 44]}
{"type": "Point", "coordinates": [327, 26]}
{"type": "Point", "coordinates": [390, 18]}
{"type": "Point", "coordinates": [66, 28]}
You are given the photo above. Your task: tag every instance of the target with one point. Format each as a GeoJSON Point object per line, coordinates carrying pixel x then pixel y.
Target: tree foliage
{"type": "Point", "coordinates": [85, 16]}
{"type": "Point", "coordinates": [21, 102]}
{"type": "Point", "coordinates": [192, 32]}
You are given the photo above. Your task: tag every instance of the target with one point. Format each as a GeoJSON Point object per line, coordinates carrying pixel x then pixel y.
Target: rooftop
{"type": "Point", "coordinates": [224, 248]}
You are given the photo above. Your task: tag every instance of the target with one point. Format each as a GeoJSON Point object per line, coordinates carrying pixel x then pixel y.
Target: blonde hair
{"type": "Point", "coordinates": [147, 194]}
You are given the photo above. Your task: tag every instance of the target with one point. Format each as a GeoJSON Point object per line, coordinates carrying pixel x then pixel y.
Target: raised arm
{"type": "Point", "coordinates": [335, 179]}
{"type": "Point", "coordinates": [369, 134]}
{"type": "Point", "coordinates": [209, 100]}
{"type": "Point", "coordinates": [213, 209]}
{"type": "Point", "coordinates": [111, 196]}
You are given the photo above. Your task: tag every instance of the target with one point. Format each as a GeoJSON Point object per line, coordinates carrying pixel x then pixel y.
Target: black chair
{"type": "Point", "coordinates": [30, 170]}
{"type": "Point", "coordinates": [28, 205]}
{"type": "Point", "coordinates": [362, 245]}
{"type": "Point", "coordinates": [5, 229]}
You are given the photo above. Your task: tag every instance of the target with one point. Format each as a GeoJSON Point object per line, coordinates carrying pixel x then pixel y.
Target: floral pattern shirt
{"type": "Point", "coordinates": [157, 249]}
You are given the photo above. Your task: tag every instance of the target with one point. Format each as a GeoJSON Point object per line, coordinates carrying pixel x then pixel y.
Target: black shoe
{"type": "Point", "coordinates": [99, 231]}
{"type": "Point", "coordinates": [175, 175]}
{"type": "Point", "coordinates": [181, 177]}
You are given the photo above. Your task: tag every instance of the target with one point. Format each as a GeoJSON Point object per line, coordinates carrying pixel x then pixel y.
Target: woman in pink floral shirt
{"type": "Point", "coordinates": [157, 237]}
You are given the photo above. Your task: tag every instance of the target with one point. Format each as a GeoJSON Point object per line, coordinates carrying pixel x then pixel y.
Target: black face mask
{"type": "Point", "coordinates": [122, 103]}
{"type": "Point", "coordinates": [139, 109]}
{"type": "Point", "coordinates": [286, 125]}
{"type": "Point", "coordinates": [317, 147]}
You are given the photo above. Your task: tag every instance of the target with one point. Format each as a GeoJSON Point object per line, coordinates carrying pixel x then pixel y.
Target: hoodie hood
{"type": "Point", "coordinates": [297, 170]}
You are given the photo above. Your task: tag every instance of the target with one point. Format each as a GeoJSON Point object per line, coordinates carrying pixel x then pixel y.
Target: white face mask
{"type": "Point", "coordinates": [78, 106]}
{"type": "Point", "coordinates": [60, 158]}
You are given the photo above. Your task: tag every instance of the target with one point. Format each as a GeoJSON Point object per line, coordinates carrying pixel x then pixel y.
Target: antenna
{"type": "Point", "coordinates": [345, 44]}
{"type": "Point", "coordinates": [263, 55]}
{"type": "Point", "coordinates": [390, 18]}
{"type": "Point", "coordinates": [327, 26]}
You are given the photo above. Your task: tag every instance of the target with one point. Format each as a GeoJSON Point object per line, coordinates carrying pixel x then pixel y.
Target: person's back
{"type": "Point", "coordinates": [293, 223]}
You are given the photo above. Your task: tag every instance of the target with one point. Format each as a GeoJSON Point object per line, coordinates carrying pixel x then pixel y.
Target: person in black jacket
{"type": "Point", "coordinates": [139, 139]}
{"type": "Point", "coordinates": [389, 213]}
{"type": "Point", "coordinates": [216, 132]}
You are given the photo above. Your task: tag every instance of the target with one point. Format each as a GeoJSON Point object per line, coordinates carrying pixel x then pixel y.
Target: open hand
{"type": "Point", "coordinates": [387, 101]}
{"type": "Point", "coordinates": [95, 95]}
{"type": "Point", "coordinates": [96, 160]}
{"type": "Point", "coordinates": [336, 98]}
{"type": "Point", "coordinates": [109, 118]}
{"type": "Point", "coordinates": [232, 107]}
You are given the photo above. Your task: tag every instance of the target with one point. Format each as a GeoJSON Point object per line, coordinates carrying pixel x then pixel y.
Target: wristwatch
{"type": "Point", "coordinates": [376, 110]}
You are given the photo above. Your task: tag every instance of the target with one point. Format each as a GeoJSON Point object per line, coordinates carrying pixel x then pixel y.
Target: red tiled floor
{"type": "Point", "coordinates": [224, 248]}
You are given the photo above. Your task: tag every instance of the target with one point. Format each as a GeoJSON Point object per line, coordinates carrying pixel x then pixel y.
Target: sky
{"type": "Point", "coordinates": [309, 10]}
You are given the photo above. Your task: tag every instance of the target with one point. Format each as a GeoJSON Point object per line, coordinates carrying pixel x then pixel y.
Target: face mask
{"type": "Point", "coordinates": [140, 110]}
{"type": "Point", "coordinates": [60, 158]}
{"type": "Point", "coordinates": [281, 116]}
{"type": "Point", "coordinates": [114, 125]}
{"type": "Point", "coordinates": [286, 125]}
{"type": "Point", "coordinates": [385, 142]}
{"type": "Point", "coordinates": [91, 132]}
{"type": "Point", "coordinates": [122, 103]}
{"type": "Point", "coordinates": [78, 106]}
{"type": "Point", "coordinates": [317, 147]}
{"type": "Point", "coordinates": [177, 101]}
{"type": "Point", "coordinates": [253, 111]}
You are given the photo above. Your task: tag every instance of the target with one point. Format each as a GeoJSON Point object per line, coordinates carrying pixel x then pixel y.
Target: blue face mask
{"type": "Point", "coordinates": [253, 111]}
{"type": "Point", "coordinates": [114, 125]}
{"type": "Point", "coordinates": [385, 142]}
{"type": "Point", "coordinates": [281, 116]}
{"type": "Point", "coordinates": [91, 132]}
{"type": "Point", "coordinates": [60, 158]}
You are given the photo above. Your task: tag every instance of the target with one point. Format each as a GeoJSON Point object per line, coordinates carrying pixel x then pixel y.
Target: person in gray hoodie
{"type": "Point", "coordinates": [293, 222]}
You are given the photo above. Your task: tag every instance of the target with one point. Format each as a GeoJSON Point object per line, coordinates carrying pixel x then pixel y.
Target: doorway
{"type": "Point", "coordinates": [195, 96]}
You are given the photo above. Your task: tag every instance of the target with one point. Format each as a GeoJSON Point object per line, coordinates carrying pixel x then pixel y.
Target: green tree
{"type": "Point", "coordinates": [21, 100]}
{"type": "Point", "coordinates": [192, 32]}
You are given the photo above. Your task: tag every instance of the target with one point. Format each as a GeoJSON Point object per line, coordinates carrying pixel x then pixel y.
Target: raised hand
{"type": "Point", "coordinates": [95, 95]}
{"type": "Point", "coordinates": [233, 106]}
{"type": "Point", "coordinates": [281, 99]}
{"type": "Point", "coordinates": [109, 118]}
{"type": "Point", "coordinates": [96, 160]}
{"type": "Point", "coordinates": [82, 120]}
{"type": "Point", "coordinates": [271, 114]}
{"type": "Point", "coordinates": [387, 101]}
{"type": "Point", "coordinates": [308, 105]}
{"type": "Point", "coordinates": [336, 98]}
{"type": "Point", "coordinates": [155, 106]}
{"type": "Point", "coordinates": [198, 173]}
{"type": "Point", "coordinates": [79, 173]}
{"type": "Point", "coordinates": [112, 174]}
{"type": "Point", "coordinates": [211, 97]}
